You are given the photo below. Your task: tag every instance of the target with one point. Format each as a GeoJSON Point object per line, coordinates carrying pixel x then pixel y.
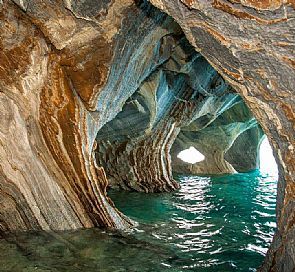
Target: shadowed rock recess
{"type": "Point", "coordinates": [96, 93]}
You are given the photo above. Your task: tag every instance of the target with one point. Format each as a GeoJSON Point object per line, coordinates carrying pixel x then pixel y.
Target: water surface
{"type": "Point", "coordinates": [222, 223]}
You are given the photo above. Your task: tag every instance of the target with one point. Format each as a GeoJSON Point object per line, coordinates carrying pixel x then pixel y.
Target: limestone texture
{"type": "Point", "coordinates": [216, 139]}
{"type": "Point", "coordinates": [106, 92]}
{"type": "Point", "coordinates": [251, 44]}
{"type": "Point", "coordinates": [134, 148]}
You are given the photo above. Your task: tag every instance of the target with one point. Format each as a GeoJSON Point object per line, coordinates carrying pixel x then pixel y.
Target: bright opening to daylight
{"type": "Point", "coordinates": [268, 163]}
{"type": "Point", "coordinates": [191, 155]}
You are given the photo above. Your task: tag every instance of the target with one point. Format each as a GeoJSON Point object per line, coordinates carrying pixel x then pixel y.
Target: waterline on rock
{"type": "Point", "coordinates": [222, 223]}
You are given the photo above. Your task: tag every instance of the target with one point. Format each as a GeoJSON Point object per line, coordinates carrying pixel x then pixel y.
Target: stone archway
{"type": "Point", "coordinates": [216, 142]}
{"type": "Point", "coordinates": [58, 88]}
{"type": "Point", "coordinates": [250, 44]}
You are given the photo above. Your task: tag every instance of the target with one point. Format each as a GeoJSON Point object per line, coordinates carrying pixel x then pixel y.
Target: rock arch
{"type": "Point", "coordinates": [250, 44]}
{"type": "Point", "coordinates": [66, 70]}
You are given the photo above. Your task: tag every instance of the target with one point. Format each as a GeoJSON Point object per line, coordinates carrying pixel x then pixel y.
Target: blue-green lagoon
{"type": "Point", "coordinates": [221, 223]}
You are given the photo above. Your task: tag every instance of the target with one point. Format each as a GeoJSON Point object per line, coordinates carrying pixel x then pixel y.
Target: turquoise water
{"type": "Point", "coordinates": [222, 223]}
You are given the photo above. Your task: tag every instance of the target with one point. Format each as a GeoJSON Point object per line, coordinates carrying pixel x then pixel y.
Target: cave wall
{"type": "Point", "coordinates": [215, 140]}
{"type": "Point", "coordinates": [55, 65]}
{"type": "Point", "coordinates": [28, 170]}
{"type": "Point", "coordinates": [251, 43]}
{"type": "Point", "coordinates": [134, 148]}
{"type": "Point", "coordinates": [243, 155]}
{"type": "Point", "coordinates": [67, 69]}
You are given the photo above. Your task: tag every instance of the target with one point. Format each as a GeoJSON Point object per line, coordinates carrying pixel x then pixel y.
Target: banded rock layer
{"type": "Point", "coordinates": [73, 73]}
{"type": "Point", "coordinates": [218, 142]}
{"type": "Point", "coordinates": [251, 43]}
{"type": "Point", "coordinates": [55, 66]}
{"type": "Point", "coordinates": [184, 102]}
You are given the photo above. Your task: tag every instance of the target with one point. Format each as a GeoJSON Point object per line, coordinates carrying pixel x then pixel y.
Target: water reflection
{"type": "Point", "coordinates": [220, 223]}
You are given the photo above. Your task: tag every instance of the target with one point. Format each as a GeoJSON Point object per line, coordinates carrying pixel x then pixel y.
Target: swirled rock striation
{"type": "Point", "coordinates": [97, 93]}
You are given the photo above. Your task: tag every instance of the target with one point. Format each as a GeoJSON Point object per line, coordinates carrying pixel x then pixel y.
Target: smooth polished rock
{"type": "Point", "coordinates": [251, 43]}
{"type": "Point", "coordinates": [52, 67]}
{"type": "Point", "coordinates": [67, 69]}
{"type": "Point", "coordinates": [215, 140]}
{"type": "Point", "coordinates": [243, 155]}
{"type": "Point", "coordinates": [134, 148]}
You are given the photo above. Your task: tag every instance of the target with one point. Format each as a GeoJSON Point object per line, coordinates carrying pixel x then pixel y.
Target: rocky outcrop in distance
{"type": "Point", "coordinates": [218, 142]}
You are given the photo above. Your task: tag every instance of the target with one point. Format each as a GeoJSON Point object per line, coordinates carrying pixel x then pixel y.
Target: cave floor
{"type": "Point", "coordinates": [221, 223]}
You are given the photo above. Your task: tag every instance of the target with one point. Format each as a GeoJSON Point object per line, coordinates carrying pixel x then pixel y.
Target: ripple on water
{"type": "Point", "coordinates": [222, 223]}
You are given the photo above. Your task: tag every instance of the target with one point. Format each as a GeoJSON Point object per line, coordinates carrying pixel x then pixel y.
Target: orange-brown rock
{"type": "Point", "coordinates": [49, 179]}
{"type": "Point", "coordinates": [67, 68]}
{"type": "Point", "coordinates": [251, 43]}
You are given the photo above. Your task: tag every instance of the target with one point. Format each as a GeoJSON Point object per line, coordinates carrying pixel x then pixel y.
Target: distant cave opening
{"type": "Point", "coordinates": [182, 126]}
{"type": "Point", "coordinates": [191, 155]}
{"type": "Point", "coordinates": [267, 162]}
{"type": "Point", "coordinates": [244, 151]}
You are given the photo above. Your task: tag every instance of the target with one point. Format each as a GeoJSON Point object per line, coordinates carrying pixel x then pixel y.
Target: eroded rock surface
{"type": "Point", "coordinates": [53, 65]}
{"type": "Point", "coordinates": [134, 148]}
{"type": "Point", "coordinates": [243, 155]}
{"type": "Point", "coordinates": [251, 43]}
{"type": "Point", "coordinates": [215, 140]}
{"type": "Point", "coordinates": [67, 69]}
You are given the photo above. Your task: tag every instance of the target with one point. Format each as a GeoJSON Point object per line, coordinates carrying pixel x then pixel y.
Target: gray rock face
{"type": "Point", "coordinates": [91, 90]}
{"type": "Point", "coordinates": [184, 92]}
{"type": "Point", "coordinates": [251, 43]}
{"type": "Point", "coordinates": [243, 155]}
{"type": "Point", "coordinates": [213, 142]}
